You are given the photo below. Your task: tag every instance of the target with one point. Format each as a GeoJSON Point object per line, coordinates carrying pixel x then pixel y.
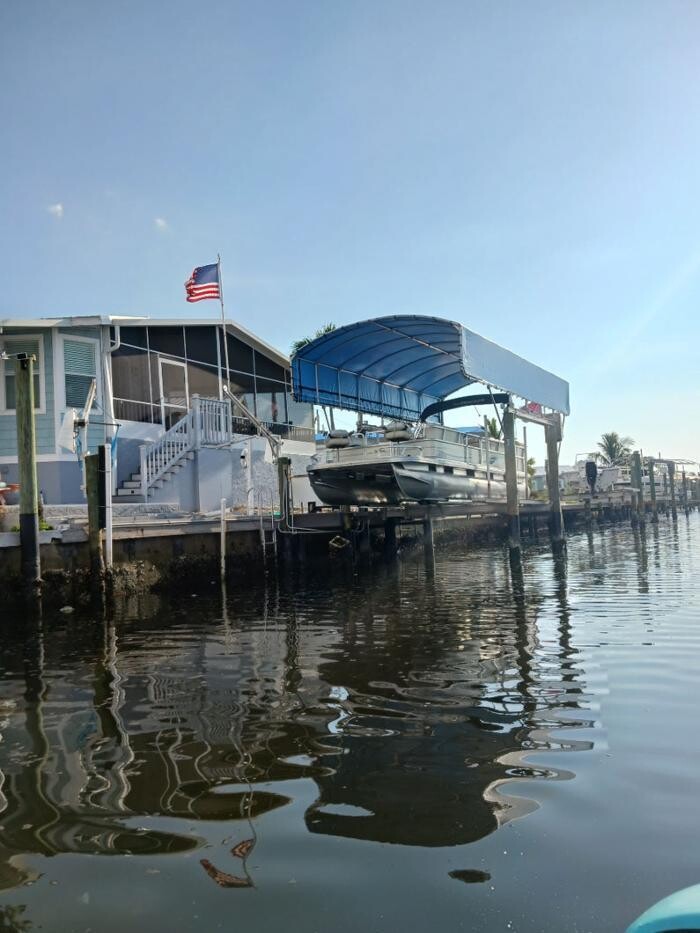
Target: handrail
{"type": "Point", "coordinates": [209, 423]}
{"type": "Point", "coordinates": [158, 457]}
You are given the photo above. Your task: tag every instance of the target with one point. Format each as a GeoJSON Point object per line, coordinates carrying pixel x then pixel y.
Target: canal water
{"type": "Point", "coordinates": [452, 747]}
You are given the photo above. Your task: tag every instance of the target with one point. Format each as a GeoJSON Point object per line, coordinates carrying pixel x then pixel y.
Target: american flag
{"type": "Point", "coordinates": [203, 283]}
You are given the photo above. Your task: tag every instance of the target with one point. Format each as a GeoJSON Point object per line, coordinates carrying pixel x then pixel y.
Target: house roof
{"type": "Point", "coordinates": [117, 320]}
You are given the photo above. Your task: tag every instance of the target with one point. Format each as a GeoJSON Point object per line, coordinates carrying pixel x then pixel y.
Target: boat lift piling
{"type": "Point", "coordinates": [512, 506]}
{"type": "Point", "coordinates": [553, 436]}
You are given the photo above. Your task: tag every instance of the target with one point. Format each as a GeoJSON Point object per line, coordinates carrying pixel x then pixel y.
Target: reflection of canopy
{"type": "Point", "coordinates": [396, 366]}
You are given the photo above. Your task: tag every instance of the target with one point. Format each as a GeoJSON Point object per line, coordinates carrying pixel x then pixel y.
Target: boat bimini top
{"type": "Point", "coordinates": [400, 366]}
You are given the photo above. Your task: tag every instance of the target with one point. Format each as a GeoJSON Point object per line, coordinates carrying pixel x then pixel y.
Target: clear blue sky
{"type": "Point", "coordinates": [530, 169]}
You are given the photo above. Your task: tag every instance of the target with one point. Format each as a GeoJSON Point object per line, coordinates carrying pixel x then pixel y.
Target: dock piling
{"type": "Point", "coordinates": [92, 492]}
{"type": "Point", "coordinates": [672, 484]}
{"type": "Point", "coordinates": [552, 433]}
{"type": "Point", "coordinates": [26, 457]}
{"type": "Point", "coordinates": [512, 509]}
{"type": "Point", "coordinates": [638, 481]}
{"type": "Point", "coordinates": [652, 491]}
{"type": "Point", "coordinates": [390, 538]}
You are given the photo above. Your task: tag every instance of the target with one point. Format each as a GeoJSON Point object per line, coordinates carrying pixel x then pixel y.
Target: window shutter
{"type": "Point", "coordinates": [79, 371]}
{"type": "Point", "coordinates": [79, 357]}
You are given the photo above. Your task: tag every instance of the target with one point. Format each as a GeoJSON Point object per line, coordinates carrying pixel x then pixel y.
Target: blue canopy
{"type": "Point", "coordinates": [396, 366]}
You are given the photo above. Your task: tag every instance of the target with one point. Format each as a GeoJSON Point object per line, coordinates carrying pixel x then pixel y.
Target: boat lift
{"type": "Point", "coordinates": [406, 367]}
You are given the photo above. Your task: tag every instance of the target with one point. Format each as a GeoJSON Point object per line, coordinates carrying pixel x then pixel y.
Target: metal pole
{"type": "Point", "coordinates": [488, 457]}
{"type": "Point", "coordinates": [512, 509]}
{"type": "Point", "coordinates": [223, 540]}
{"type": "Point", "coordinates": [107, 486]}
{"type": "Point", "coordinates": [223, 319]}
{"type": "Point", "coordinates": [527, 474]}
{"type": "Point", "coordinates": [26, 461]}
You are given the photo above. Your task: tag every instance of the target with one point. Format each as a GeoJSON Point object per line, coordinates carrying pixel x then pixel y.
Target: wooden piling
{"type": "Point", "coordinates": [672, 484]}
{"type": "Point", "coordinates": [512, 508]}
{"type": "Point", "coordinates": [638, 481]}
{"type": "Point", "coordinates": [92, 491]}
{"type": "Point", "coordinates": [552, 433]}
{"type": "Point", "coordinates": [283, 464]}
{"type": "Point", "coordinates": [428, 538]}
{"type": "Point", "coordinates": [390, 538]}
{"type": "Point", "coordinates": [652, 490]}
{"type": "Point", "coordinates": [26, 459]}
{"type": "Point", "coordinates": [684, 486]}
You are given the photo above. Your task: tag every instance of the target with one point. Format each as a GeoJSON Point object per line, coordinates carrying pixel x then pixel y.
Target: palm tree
{"type": "Point", "coordinates": [530, 472]}
{"type": "Point", "coordinates": [615, 450]}
{"type": "Point", "coordinates": [299, 345]}
{"type": "Point", "coordinates": [493, 428]}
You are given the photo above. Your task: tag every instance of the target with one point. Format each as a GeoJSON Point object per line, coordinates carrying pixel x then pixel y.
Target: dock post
{"type": "Point", "coordinates": [283, 482]}
{"type": "Point", "coordinates": [487, 451]}
{"type": "Point", "coordinates": [222, 542]}
{"type": "Point", "coordinates": [638, 479]}
{"type": "Point", "coordinates": [664, 477]}
{"type": "Point", "coordinates": [92, 491]}
{"type": "Point", "coordinates": [428, 539]}
{"type": "Point", "coordinates": [552, 434]}
{"type": "Point", "coordinates": [512, 509]}
{"type": "Point", "coordinates": [672, 483]}
{"type": "Point", "coordinates": [26, 459]}
{"type": "Point", "coordinates": [390, 538]}
{"type": "Point", "coordinates": [684, 486]}
{"type": "Point", "coordinates": [652, 491]}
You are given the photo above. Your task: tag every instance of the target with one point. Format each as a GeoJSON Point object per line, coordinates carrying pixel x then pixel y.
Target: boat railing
{"type": "Point", "coordinates": [436, 450]}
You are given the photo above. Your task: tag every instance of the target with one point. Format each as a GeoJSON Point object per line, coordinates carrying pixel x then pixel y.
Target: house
{"type": "Point", "coordinates": [160, 404]}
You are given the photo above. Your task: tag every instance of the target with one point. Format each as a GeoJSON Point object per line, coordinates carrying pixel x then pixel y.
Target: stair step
{"type": "Point", "coordinates": [131, 484]}
{"type": "Point", "coordinates": [122, 493]}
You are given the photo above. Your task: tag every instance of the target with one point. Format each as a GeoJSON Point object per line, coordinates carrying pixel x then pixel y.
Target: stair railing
{"type": "Point", "coordinates": [206, 424]}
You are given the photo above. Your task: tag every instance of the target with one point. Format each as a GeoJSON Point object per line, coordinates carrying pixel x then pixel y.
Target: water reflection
{"type": "Point", "coordinates": [412, 700]}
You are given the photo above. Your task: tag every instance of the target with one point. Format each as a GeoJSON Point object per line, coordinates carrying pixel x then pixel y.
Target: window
{"type": "Point", "coordinates": [30, 345]}
{"type": "Point", "coordinates": [80, 368]}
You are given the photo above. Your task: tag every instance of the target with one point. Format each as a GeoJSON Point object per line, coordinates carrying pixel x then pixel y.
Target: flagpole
{"type": "Point", "coordinates": [223, 320]}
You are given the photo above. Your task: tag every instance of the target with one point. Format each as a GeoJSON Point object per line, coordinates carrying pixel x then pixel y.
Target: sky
{"type": "Point", "coordinates": [531, 170]}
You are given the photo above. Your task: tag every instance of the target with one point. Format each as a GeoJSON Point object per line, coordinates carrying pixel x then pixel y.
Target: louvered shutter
{"type": "Point", "coordinates": [79, 364]}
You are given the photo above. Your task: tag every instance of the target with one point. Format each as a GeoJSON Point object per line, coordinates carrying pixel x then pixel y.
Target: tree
{"type": "Point", "coordinates": [493, 428]}
{"type": "Point", "coordinates": [615, 450]}
{"type": "Point", "coordinates": [299, 345]}
{"type": "Point", "coordinates": [530, 472]}
{"type": "Point", "coordinates": [303, 341]}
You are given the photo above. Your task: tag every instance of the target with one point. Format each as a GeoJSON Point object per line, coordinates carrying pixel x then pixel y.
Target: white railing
{"type": "Point", "coordinates": [157, 458]}
{"type": "Point", "coordinates": [206, 424]}
{"type": "Point", "coordinates": [474, 454]}
{"type": "Point", "coordinates": [214, 421]}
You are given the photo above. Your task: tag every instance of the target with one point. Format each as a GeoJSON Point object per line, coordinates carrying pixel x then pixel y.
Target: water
{"type": "Point", "coordinates": [463, 748]}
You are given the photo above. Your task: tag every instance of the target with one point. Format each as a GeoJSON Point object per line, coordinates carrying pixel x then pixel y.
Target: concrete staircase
{"type": "Point", "coordinates": [131, 490]}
